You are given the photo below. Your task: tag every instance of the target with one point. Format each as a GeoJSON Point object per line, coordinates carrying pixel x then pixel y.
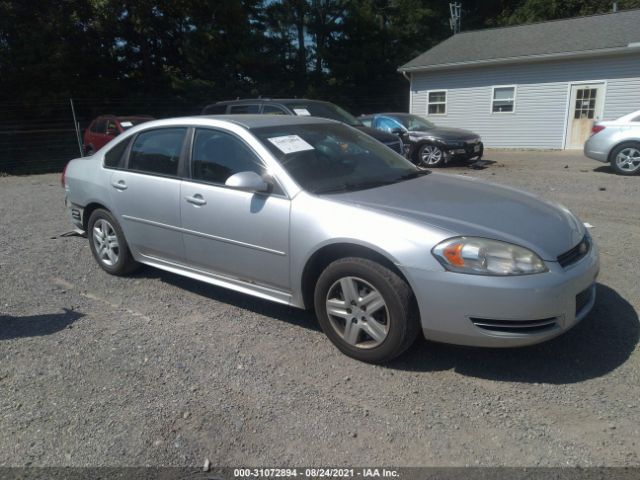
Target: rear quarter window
{"type": "Point", "coordinates": [113, 158]}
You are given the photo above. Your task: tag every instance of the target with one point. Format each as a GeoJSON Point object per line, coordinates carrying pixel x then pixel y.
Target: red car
{"type": "Point", "coordinates": [106, 127]}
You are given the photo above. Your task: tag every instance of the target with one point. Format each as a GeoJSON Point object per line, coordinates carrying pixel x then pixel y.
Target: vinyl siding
{"type": "Point", "coordinates": [541, 97]}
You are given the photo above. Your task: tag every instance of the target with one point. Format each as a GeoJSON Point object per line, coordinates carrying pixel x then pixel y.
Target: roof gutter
{"type": "Point", "coordinates": [631, 48]}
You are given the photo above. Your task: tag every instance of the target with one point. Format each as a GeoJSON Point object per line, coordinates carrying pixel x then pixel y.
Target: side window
{"type": "Point", "coordinates": [244, 109]}
{"type": "Point", "coordinates": [387, 124]}
{"type": "Point", "coordinates": [100, 126]}
{"type": "Point", "coordinates": [272, 110]}
{"type": "Point", "coordinates": [157, 151]}
{"type": "Point", "coordinates": [437, 102]}
{"type": "Point", "coordinates": [113, 158]}
{"type": "Point", "coordinates": [215, 110]}
{"type": "Point", "coordinates": [217, 155]}
{"type": "Point", "coordinates": [112, 129]}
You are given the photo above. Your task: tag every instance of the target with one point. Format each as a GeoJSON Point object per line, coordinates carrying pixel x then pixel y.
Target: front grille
{"type": "Point", "coordinates": [515, 326]}
{"type": "Point", "coordinates": [470, 146]}
{"type": "Point", "coordinates": [396, 147]}
{"type": "Point", "coordinates": [575, 254]}
{"type": "Point", "coordinates": [583, 299]}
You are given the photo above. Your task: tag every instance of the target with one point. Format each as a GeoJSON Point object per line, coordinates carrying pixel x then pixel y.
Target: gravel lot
{"type": "Point", "coordinates": [156, 369]}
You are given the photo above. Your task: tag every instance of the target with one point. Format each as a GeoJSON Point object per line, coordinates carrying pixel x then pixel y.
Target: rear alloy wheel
{"type": "Point", "coordinates": [366, 310]}
{"type": "Point", "coordinates": [625, 159]}
{"type": "Point", "coordinates": [108, 244]}
{"type": "Point", "coordinates": [430, 156]}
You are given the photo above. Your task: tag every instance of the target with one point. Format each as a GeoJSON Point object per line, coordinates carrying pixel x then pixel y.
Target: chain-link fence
{"type": "Point", "coordinates": [40, 137]}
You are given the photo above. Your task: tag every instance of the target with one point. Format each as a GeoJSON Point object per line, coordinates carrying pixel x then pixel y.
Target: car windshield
{"type": "Point", "coordinates": [323, 110]}
{"type": "Point", "coordinates": [331, 158]}
{"type": "Point", "coordinates": [414, 123]}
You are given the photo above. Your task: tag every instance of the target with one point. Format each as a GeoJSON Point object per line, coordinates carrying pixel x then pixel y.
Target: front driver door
{"type": "Point", "coordinates": [230, 232]}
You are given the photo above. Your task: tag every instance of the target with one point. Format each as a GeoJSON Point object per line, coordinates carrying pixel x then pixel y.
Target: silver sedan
{"type": "Point", "coordinates": [617, 142]}
{"type": "Point", "coordinates": [314, 214]}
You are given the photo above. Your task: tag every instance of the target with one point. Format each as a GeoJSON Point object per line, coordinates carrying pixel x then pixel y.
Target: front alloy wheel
{"type": "Point", "coordinates": [430, 156]}
{"type": "Point", "coordinates": [367, 310]}
{"type": "Point", "coordinates": [357, 312]}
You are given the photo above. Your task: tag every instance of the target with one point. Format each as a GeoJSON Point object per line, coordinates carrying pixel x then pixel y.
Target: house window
{"type": "Point", "coordinates": [437, 102]}
{"type": "Point", "coordinates": [504, 100]}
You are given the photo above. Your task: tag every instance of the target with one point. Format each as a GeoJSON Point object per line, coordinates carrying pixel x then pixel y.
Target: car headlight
{"type": "Point", "coordinates": [482, 256]}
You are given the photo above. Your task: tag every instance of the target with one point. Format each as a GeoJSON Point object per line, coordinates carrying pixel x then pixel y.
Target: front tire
{"type": "Point", "coordinates": [366, 310]}
{"type": "Point", "coordinates": [430, 156]}
{"type": "Point", "coordinates": [108, 244]}
{"type": "Point", "coordinates": [625, 158]}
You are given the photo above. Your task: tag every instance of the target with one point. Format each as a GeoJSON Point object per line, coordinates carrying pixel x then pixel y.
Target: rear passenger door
{"type": "Point", "coordinates": [145, 193]}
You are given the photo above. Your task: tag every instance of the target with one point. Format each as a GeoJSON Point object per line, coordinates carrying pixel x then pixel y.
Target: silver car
{"type": "Point", "coordinates": [617, 142]}
{"type": "Point", "coordinates": [311, 213]}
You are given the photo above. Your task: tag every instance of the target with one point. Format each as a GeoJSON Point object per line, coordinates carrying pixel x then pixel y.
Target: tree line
{"type": "Point", "coordinates": [196, 51]}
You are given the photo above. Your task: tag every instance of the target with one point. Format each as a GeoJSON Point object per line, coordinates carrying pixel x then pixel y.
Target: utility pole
{"type": "Point", "coordinates": [456, 13]}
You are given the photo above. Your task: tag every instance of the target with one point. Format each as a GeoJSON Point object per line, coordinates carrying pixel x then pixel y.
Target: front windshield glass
{"type": "Point", "coordinates": [323, 110]}
{"type": "Point", "coordinates": [328, 158]}
{"type": "Point", "coordinates": [414, 123]}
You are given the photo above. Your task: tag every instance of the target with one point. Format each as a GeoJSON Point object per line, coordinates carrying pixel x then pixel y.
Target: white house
{"type": "Point", "coordinates": [531, 86]}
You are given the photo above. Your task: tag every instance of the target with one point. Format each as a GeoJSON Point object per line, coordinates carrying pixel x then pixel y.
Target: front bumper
{"type": "Point", "coordinates": [467, 152]}
{"type": "Point", "coordinates": [486, 311]}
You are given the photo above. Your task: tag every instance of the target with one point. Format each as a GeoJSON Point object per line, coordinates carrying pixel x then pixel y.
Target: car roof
{"type": "Point", "coordinates": [392, 113]}
{"type": "Point", "coordinates": [266, 100]}
{"type": "Point", "coordinates": [628, 117]}
{"type": "Point", "coordinates": [257, 121]}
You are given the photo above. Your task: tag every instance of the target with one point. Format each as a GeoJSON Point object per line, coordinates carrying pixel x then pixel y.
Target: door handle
{"type": "Point", "coordinates": [120, 185]}
{"type": "Point", "coordinates": [197, 199]}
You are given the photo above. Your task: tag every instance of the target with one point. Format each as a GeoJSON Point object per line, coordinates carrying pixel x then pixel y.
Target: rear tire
{"type": "Point", "coordinates": [625, 158]}
{"type": "Point", "coordinates": [108, 244]}
{"type": "Point", "coordinates": [366, 310]}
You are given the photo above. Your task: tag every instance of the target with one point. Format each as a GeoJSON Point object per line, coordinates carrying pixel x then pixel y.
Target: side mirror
{"type": "Point", "coordinates": [112, 132]}
{"type": "Point", "coordinates": [397, 131]}
{"type": "Point", "coordinates": [248, 182]}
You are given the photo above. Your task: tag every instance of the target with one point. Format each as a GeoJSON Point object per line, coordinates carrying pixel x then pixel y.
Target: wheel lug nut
{"type": "Point", "coordinates": [348, 310]}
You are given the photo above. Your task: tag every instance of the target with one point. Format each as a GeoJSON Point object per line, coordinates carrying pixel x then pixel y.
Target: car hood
{"type": "Point", "coordinates": [455, 134]}
{"type": "Point", "coordinates": [465, 206]}
{"type": "Point", "coordinates": [379, 135]}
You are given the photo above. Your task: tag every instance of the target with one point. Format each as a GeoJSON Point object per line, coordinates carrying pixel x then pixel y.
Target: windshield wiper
{"type": "Point", "coordinates": [414, 174]}
{"type": "Point", "coordinates": [350, 187]}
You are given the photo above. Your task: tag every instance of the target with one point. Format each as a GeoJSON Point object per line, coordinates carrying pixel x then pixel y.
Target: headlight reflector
{"type": "Point", "coordinates": [483, 256]}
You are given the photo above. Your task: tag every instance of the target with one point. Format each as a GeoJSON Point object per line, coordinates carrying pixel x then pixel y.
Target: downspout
{"type": "Point", "coordinates": [408, 77]}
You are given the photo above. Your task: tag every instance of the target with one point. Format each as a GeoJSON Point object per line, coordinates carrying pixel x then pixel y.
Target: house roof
{"type": "Point", "coordinates": [574, 36]}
